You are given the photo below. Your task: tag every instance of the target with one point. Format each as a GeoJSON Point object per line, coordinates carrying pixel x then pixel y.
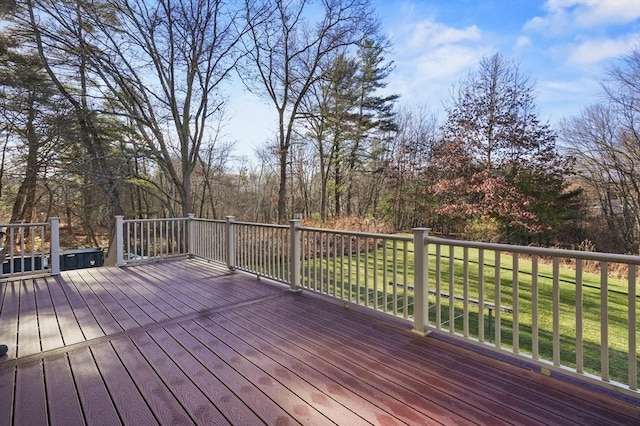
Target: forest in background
{"type": "Point", "coordinates": [118, 107]}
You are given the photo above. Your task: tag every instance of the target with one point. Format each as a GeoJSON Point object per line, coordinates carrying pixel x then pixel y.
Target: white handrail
{"type": "Point", "coordinates": [30, 248]}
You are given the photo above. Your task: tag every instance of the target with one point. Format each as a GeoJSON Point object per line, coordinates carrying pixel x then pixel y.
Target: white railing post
{"type": "Point", "coordinates": [295, 252]}
{"type": "Point", "coordinates": [231, 243]}
{"type": "Point", "coordinates": [55, 246]}
{"type": "Point", "coordinates": [119, 237]}
{"type": "Point", "coordinates": [190, 234]}
{"type": "Point", "coordinates": [420, 282]}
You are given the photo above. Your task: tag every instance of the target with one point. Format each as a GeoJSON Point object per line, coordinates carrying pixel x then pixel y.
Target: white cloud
{"type": "Point", "coordinates": [596, 50]}
{"type": "Point", "coordinates": [431, 57]}
{"type": "Point", "coordinates": [433, 34]}
{"type": "Point", "coordinates": [566, 15]}
{"type": "Point", "coordinates": [522, 42]}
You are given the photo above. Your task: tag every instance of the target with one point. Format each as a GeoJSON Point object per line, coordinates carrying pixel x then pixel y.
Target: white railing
{"type": "Point", "coordinates": [139, 240]}
{"type": "Point", "coordinates": [29, 248]}
{"type": "Point", "coordinates": [262, 250]}
{"type": "Point", "coordinates": [561, 310]}
{"type": "Point", "coordinates": [359, 268]}
{"type": "Point", "coordinates": [209, 239]}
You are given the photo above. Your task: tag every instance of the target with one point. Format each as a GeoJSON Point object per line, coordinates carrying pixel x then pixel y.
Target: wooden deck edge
{"type": "Point", "coordinates": [609, 391]}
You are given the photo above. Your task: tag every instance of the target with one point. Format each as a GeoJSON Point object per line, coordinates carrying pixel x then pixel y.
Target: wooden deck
{"type": "Point", "coordinates": [185, 342]}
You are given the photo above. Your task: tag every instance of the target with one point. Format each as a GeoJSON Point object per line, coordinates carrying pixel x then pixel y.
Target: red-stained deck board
{"type": "Point", "coordinates": [86, 320]}
{"type": "Point", "coordinates": [9, 316]}
{"type": "Point", "coordinates": [30, 397]}
{"type": "Point", "coordinates": [425, 400]}
{"type": "Point", "coordinates": [314, 397]}
{"type": "Point", "coordinates": [50, 336]}
{"type": "Point", "coordinates": [94, 396]}
{"type": "Point", "coordinates": [290, 401]}
{"type": "Point", "coordinates": [110, 278]}
{"type": "Point", "coordinates": [185, 341]}
{"type": "Point", "coordinates": [230, 405]}
{"type": "Point", "coordinates": [62, 396]}
{"type": "Point", "coordinates": [488, 377]}
{"type": "Point", "coordinates": [222, 373]}
{"type": "Point", "coordinates": [125, 395]}
{"type": "Point", "coordinates": [374, 405]}
{"type": "Point", "coordinates": [195, 402]}
{"type": "Point", "coordinates": [374, 353]}
{"type": "Point", "coordinates": [131, 315]}
{"type": "Point", "coordinates": [69, 327]}
{"type": "Point", "coordinates": [28, 331]}
{"type": "Point", "coordinates": [155, 306]}
{"type": "Point", "coordinates": [495, 380]}
{"type": "Point", "coordinates": [155, 392]}
{"type": "Point", "coordinates": [7, 381]}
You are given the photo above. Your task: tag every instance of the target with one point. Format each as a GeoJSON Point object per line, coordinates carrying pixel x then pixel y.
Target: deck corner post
{"type": "Point", "coordinates": [231, 243]}
{"type": "Point", "coordinates": [190, 235]}
{"type": "Point", "coordinates": [295, 254]}
{"type": "Point", "coordinates": [420, 281]}
{"type": "Point", "coordinates": [55, 246]}
{"type": "Point", "coordinates": [119, 240]}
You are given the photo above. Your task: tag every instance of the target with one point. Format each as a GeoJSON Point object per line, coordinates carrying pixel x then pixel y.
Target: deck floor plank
{"type": "Point", "coordinates": [517, 393]}
{"type": "Point", "coordinates": [163, 403]}
{"type": "Point", "coordinates": [149, 301]}
{"type": "Point", "coordinates": [129, 402]}
{"type": "Point", "coordinates": [30, 396]}
{"type": "Point", "coordinates": [7, 382]}
{"type": "Point", "coordinates": [98, 304]}
{"type": "Point", "coordinates": [121, 301]}
{"type": "Point", "coordinates": [266, 409]}
{"type": "Point", "coordinates": [231, 405]}
{"type": "Point", "coordinates": [375, 350]}
{"type": "Point", "coordinates": [185, 341]}
{"type": "Point", "coordinates": [87, 322]}
{"type": "Point", "coordinates": [334, 382]}
{"type": "Point", "coordinates": [62, 397]}
{"type": "Point", "coordinates": [427, 399]}
{"type": "Point", "coordinates": [94, 396]}
{"type": "Point", "coordinates": [67, 320]}
{"type": "Point", "coordinates": [162, 290]}
{"type": "Point", "coordinates": [191, 398]}
{"type": "Point", "coordinates": [313, 396]}
{"type": "Point", "coordinates": [50, 336]}
{"type": "Point", "coordinates": [292, 403]}
{"type": "Point", "coordinates": [9, 317]}
{"type": "Point", "coordinates": [142, 297]}
{"type": "Point", "coordinates": [28, 331]}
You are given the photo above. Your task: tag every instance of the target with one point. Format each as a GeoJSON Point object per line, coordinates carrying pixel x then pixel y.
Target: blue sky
{"type": "Point", "coordinates": [565, 46]}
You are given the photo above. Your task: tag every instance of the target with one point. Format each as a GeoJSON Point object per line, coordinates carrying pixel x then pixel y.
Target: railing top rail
{"type": "Point", "coordinates": [20, 225]}
{"type": "Point", "coordinates": [198, 219]}
{"type": "Point", "coordinates": [359, 234]}
{"type": "Point", "coordinates": [262, 225]}
{"type": "Point", "coordinates": [539, 251]}
{"type": "Point", "coordinates": [155, 220]}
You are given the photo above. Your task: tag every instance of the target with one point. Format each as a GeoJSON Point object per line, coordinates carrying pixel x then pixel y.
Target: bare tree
{"type": "Point", "coordinates": [289, 51]}
{"type": "Point", "coordinates": [407, 203]}
{"type": "Point", "coordinates": [164, 63]}
{"type": "Point", "coordinates": [158, 65]}
{"type": "Point", "coordinates": [605, 139]}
